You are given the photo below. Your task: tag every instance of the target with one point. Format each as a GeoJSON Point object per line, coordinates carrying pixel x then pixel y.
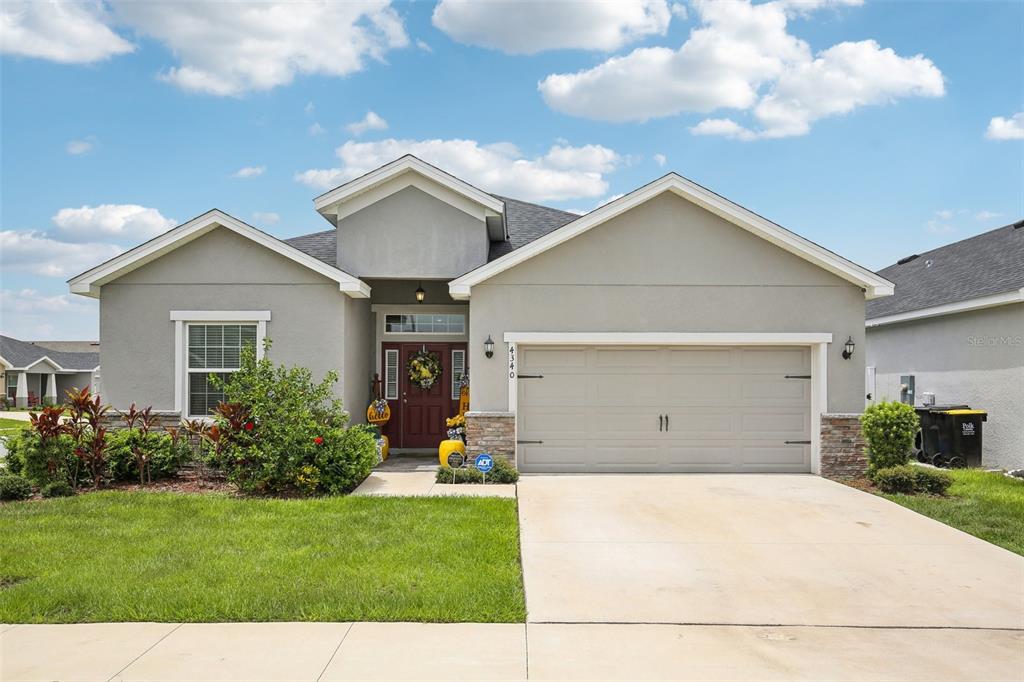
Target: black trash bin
{"type": "Point", "coordinates": [950, 435]}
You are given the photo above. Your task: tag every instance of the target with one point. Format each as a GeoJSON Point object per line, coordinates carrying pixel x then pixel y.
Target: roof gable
{"type": "Point", "coordinates": [873, 285]}
{"type": "Point", "coordinates": [90, 282]}
{"type": "Point", "coordinates": [396, 176]}
{"type": "Point", "coordinates": [22, 355]}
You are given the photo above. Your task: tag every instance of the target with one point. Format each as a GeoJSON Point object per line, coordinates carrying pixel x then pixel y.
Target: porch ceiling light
{"type": "Point", "coordinates": [848, 348]}
{"type": "Point", "coordinates": [421, 295]}
{"type": "Point", "coordinates": [489, 347]}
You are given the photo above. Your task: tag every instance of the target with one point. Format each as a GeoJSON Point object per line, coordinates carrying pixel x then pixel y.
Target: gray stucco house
{"type": "Point", "coordinates": [956, 326]}
{"type": "Point", "coordinates": [668, 330]}
{"type": "Point", "coordinates": [41, 372]}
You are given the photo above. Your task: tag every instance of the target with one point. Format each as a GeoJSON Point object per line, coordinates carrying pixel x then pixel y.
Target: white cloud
{"type": "Point", "coordinates": [119, 221]}
{"type": "Point", "coordinates": [268, 218]}
{"type": "Point", "coordinates": [79, 147]}
{"type": "Point", "coordinates": [315, 129]}
{"type": "Point", "coordinates": [983, 216]}
{"type": "Point", "coordinates": [939, 227]}
{"type": "Point", "coordinates": [30, 314]}
{"type": "Point", "coordinates": [531, 27]}
{"type": "Point", "coordinates": [309, 108]}
{"type": "Point", "coordinates": [944, 214]}
{"type": "Point", "coordinates": [36, 253]}
{"type": "Point", "coordinates": [660, 160]}
{"type": "Point", "coordinates": [228, 48]}
{"type": "Point", "coordinates": [564, 172]}
{"type": "Point", "coordinates": [67, 32]}
{"type": "Point", "coordinates": [369, 122]}
{"type": "Point", "coordinates": [742, 57]}
{"type": "Point", "coordinates": [1012, 128]}
{"type": "Point", "coordinates": [679, 11]}
{"type": "Point", "coordinates": [424, 46]}
{"type": "Point", "coordinates": [249, 172]}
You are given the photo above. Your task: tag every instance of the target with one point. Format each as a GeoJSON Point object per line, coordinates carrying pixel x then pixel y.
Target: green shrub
{"type": "Point", "coordinates": [14, 487]}
{"type": "Point", "coordinates": [889, 429]}
{"type": "Point", "coordinates": [932, 481]}
{"type": "Point", "coordinates": [898, 479]}
{"type": "Point", "coordinates": [165, 456]}
{"type": "Point", "coordinates": [503, 472]}
{"type": "Point", "coordinates": [44, 460]}
{"type": "Point", "coordinates": [908, 479]}
{"type": "Point", "coordinates": [278, 430]}
{"type": "Point", "coordinates": [57, 489]}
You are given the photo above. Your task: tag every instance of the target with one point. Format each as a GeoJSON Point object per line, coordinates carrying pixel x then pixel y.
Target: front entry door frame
{"type": "Point", "coordinates": [401, 430]}
{"type": "Point", "coordinates": [818, 343]}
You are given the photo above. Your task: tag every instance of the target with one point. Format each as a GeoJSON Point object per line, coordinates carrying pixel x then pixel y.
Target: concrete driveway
{"type": "Point", "coordinates": [792, 550]}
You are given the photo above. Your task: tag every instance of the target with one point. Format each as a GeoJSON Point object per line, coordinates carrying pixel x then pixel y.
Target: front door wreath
{"type": "Point", "coordinates": [424, 369]}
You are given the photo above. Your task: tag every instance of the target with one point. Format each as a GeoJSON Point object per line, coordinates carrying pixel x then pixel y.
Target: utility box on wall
{"type": "Point", "coordinates": [907, 389]}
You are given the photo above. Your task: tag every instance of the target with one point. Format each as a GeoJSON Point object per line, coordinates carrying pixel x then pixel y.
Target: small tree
{"type": "Point", "coordinates": [889, 429]}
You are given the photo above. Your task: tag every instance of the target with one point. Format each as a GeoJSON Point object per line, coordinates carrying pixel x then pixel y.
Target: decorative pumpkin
{"type": "Point", "coordinates": [424, 369]}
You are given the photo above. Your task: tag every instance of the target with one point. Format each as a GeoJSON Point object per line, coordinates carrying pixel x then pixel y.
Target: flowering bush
{"type": "Point", "coordinates": [456, 427]}
{"type": "Point", "coordinates": [279, 431]}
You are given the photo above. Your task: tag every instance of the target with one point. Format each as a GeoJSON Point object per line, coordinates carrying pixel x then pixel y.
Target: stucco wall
{"type": "Point", "coordinates": [975, 358]}
{"type": "Point", "coordinates": [359, 337]}
{"type": "Point", "coordinates": [219, 271]}
{"type": "Point", "coordinates": [667, 266]}
{"type": "Point", "coordinates": [411, 234]}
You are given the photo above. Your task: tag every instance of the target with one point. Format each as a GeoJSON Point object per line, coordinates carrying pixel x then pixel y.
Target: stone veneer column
{"type": "Point", "coordinates": [843, 450]}
{"type": "Point", "coordinates": [491, 432]}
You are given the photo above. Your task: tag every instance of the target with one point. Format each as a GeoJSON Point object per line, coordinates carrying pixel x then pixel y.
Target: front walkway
{"type": "Point", "coordinates": [414, 475]}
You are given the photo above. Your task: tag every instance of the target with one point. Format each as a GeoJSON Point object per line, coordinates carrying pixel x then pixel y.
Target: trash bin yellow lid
{"type": "Point", "coordinates": [964, 412]}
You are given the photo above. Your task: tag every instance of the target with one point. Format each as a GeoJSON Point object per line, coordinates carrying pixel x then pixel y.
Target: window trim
{"type": "Point", "coordinates": [182, 318]}
{"type": "Point", "coordinates": [423, 333]}
{"type": "Point", "coordinates": [390, 353]}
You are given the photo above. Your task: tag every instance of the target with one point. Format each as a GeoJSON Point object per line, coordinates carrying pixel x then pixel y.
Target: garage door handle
{"type": "Point", "coordinates": [531, 376]}
{"type": "Point", "coordinates": [530, 442]}
{"type": "Point", "coordinates": [798, 376]}
{"type": "Point", "coordinates": [661, 422]}
{"type": "Point", "coordinates": [666, 422]}
{"type": "Point", "coordinates": [798, 442]}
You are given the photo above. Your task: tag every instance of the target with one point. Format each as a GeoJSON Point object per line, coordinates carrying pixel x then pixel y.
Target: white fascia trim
{"type": "Point", "coordinates": [221, 315]}
{"type": "Point", "coordinates": [89, 283]}
{"type": "Point", "coordinates": [949, 308]}
{"type": "Point", "coordinates": [669, 338]}
{"type": "Point", "coordinates": [874, 286]}
{"type": "Point", "coordinates": [5, 364]}
{"type": "Point", "coordinates": [399, 182]}
{"type": "Point", "coordinates": [407, 163]}
{"type": "Point", "coordinates": [52, 362]}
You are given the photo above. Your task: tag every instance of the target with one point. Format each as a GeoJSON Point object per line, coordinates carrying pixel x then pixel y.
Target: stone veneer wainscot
{"type": "Point", "coordinates": [491, 432]}
{"type": "Point", "coordinates": [843, 449]}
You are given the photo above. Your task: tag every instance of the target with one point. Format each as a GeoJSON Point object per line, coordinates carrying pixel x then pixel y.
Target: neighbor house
{"type": "Point", "coordinates": [668, 330]}
{"type": "Point", "coordinates": [39, 372]}
{"type": "Point", "coordinates": [955, 330]}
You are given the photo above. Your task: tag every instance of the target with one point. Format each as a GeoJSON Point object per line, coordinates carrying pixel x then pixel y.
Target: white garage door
{"type": "Point", "coordinates": [663, 409]}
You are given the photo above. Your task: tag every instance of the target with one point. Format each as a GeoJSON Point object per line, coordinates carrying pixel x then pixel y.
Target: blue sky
{"type": "Point", "coordinates": [877, 129]}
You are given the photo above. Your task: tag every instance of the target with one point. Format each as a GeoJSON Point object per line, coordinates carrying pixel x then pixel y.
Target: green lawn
{"type": "Point", "coordinates": [11, 426]}
{"type": "Point", "coordinates": [121, 556]}
{"type": "Point", "coordinates": [985, 504]}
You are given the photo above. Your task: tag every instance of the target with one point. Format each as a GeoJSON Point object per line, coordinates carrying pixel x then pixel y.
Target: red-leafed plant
{"type": "Point", "coordinates": [93, 452]}
{"type": "Point", "coordinates": [140, 424]}
{"type": "Point", "coordinates": [85, 415]}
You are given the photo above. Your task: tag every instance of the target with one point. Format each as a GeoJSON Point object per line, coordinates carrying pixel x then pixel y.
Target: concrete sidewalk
{"type": "Point", "coordinates": [420, 483]}
{"type": "Point", "coordinates": [417, 651]}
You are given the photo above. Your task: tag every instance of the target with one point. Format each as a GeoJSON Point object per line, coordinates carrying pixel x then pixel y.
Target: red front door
{"type": "Point", "coordinates": [418, 416]}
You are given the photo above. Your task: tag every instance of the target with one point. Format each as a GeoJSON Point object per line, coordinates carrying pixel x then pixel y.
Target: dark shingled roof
{"type": "Point", "coordinates": [21, 354]}
{"type": "Point", "coordinates": [990, 263]}
{"type": "Point", "coordinates": [524, 222]}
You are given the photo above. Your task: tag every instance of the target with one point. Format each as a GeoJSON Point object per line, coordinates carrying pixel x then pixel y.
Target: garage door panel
{"type": "Point", "coordinates": [729, 409]}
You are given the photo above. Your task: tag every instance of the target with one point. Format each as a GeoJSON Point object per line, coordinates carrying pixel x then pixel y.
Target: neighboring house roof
{"type": "Point", "coordinates": [70, 346]}
{"type": "Point", "coordinates": [974, 273]}
{"type": "Point", "coordinates": [89, 283]}
{"type": "Point", "coordinates": [873, 285]}
{"type": "Point", "coordinates": [524, 222]}
{"type": "Point", "coordinates": [21, 355]}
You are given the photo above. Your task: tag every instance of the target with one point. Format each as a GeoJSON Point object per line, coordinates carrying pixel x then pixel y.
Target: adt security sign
{"type": "Point", "coordinates": [484, 463]}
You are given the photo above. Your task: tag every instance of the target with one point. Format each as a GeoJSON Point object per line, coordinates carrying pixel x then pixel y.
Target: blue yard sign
{"type": "Point", "coordinates": [484, 463]}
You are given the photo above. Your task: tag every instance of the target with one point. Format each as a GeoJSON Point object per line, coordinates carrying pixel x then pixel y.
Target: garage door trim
{"type": "Point", "coordinates": [817, 341]}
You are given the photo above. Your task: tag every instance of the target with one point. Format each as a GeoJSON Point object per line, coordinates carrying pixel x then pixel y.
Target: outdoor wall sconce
{"type": "Point", "coordinates": [848, 348]}
{"type": "Point", "coordinates": [420, 294]}
{"type": "Point", "coordinates": [489, 347]}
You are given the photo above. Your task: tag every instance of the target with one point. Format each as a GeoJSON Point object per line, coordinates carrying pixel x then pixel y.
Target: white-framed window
{"type": "Point", "coordinates": [458, 369]}
{"type": "Point", "coordinates": [213, 349]}
{"type": "Point", "coordinates": [12, 384]}
{"type": "Point", "coordinates": [425, 323]}
{"type": "Point", "coordinates": [391, 374]}
{"type": "Point", "coordinates": [210, 342]}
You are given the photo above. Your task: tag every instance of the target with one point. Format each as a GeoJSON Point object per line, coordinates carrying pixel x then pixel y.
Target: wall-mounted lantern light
{"type": "Point", "coordinates": [489, 347]}
{"type": "Point", "coordinates": [848, 348]}
{"type": "Point", "coordinates": [420, 294]}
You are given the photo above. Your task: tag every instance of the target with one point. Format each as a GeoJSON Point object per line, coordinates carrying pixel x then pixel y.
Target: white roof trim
{"type": "Point", "coordinates": [221, 315]}
{"type": "Point", "coordinates": [88, 283]}
{"type": "Point", "coordinates": [406, 163]}
{"type": "Point", "coordinates": [874, 286]}
{"type": "Point", "coordinates": [669, 338]}
{"type": "Point", "coordinates": [979, 303]}
{"type": "Point", "coordinates": [4, 363]}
